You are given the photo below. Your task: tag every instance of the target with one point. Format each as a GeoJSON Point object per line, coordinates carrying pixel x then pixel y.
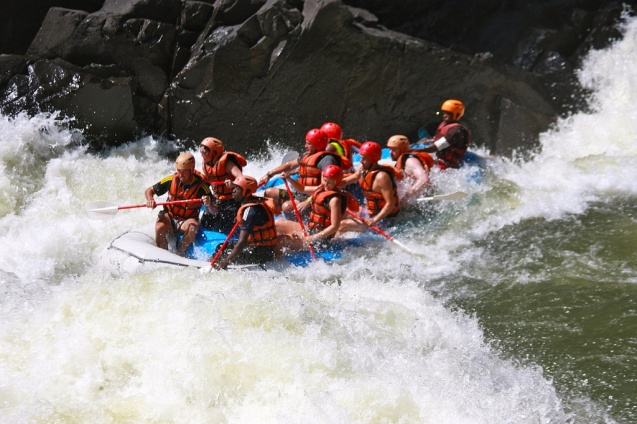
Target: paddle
{"type": "Point", "coordinates": [289, 156]}
{"type": "Point", "coordinates": [292, 155]}
{"type": "Point", "coordinates": [286, 158]}
{"type": "Point", "coordinates": [223, 246]}
{"type": "Point", "coordinates": [101, 209]}
{"type": "Point", "coordinates": [298, 216]}
{"type": "Point", "coordinates": [451, 196]}
{"type": "Point", "coordinates": [384, 234]}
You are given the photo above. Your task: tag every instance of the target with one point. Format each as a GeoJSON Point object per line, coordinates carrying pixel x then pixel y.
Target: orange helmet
{"type": "Point", "coordinates": [332, 130]}
{"type": "Point", "coordinates": [334, 172]}
{"type": "Point", "coordinates": [454, 107]}
{"type": "Point", "coordinates": [185, 161]}
{"type": "Point", "coordinates": [371, 150]}
{"type": "Point", "coordinates": [214, 144]}
{"type": "Point", "coordinates": [318, 139]}
{"type": "Point", "coordinates": [248, 184]}
{"type": "Point", "coordinates": [398, 141]}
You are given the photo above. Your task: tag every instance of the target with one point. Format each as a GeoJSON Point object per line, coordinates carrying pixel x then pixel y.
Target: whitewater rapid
{"type": "Point", "coordinates": [362, 340]}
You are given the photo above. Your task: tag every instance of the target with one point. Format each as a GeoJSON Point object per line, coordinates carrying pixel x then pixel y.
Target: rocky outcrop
{"type": "Point", "coordinates": [257, 71]}
{"type": "Point", "coordinates": [548, 38]}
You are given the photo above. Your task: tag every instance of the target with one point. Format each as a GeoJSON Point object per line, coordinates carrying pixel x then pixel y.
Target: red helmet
{"type": "Point", "coordinates": [248, 184]}
{"type": "Point", "coordinates": [332, 130]}
{"type": "Point", "coordinates": [318, 138]}
{"type": "Point", "coordinates": [214, 144]}
{"type": "Point", "coordinates": [454, 107]}
{"type": "Point", "coordinates": [334, 172]}
{"type": "Point", "coordinates": [371, 150]}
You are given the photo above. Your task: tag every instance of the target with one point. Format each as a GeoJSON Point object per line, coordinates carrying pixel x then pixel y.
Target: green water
{"type": "Point", "coordinates": [563, 294]}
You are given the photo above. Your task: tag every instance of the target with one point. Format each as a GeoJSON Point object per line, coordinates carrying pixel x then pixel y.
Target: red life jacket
{"type": "Point", "coordinates": [309, 174]}
{"type": "Point", "coordinates": [376, 201]}
{"type": "Point", "coordinates": [183, 211]}
{"type": "Point", "coordinates": [320, 215]}
{"type": "Point", "coordinates": [262, 235]}
{"type": "Point", "coordinates": [352, 143]}
{"type": "Point", "coordinates": [217, 173]}
{"type": "Point", "coordinates": [452, 156]}
{"type": "Point", "coordinates": [424, 158]}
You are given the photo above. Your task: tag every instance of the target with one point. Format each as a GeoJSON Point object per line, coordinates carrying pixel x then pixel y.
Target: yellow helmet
{"type": "Point", "coordinates": [400, 142]}
{"type": "Point", "coordinates": [185, 161]}
{"type": "Point", "coordinates": [454, 107]}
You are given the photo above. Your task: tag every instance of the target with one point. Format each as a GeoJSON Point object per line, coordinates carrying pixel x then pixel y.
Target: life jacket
{"type": "Point", "coordinates": [262, 235]}
{"type": "Point", "coordinates": [375, 201]}
{"type": "Point", "coordinates": [217, 173]}
{"type": "Point", "coordinates": [183, 211]}
{"type": "Point", "coordinates": [352, 143]}
{"type": "Point", "coordinates": [272, 204]}
{"type": "Point", "coordinates": [309, 174]}
{"type": "Point", "coordinates": [425, 159]}
{"type": "Point", "coordinates": [344, 151]}
{"type": "Point", "coordinates": [452, 156]}
{"type": "Point", "coordinates": [320, 215]}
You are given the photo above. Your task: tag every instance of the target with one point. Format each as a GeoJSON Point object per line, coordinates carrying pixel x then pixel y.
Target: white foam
{"type": "Point", "coordinates": [359, 341]}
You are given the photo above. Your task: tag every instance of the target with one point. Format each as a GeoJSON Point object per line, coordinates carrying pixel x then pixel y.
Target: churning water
{"type": "Point", "coordinates": [522, 310]}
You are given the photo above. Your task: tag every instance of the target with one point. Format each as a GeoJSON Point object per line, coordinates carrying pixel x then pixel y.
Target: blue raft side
{"type": "Point", "coordinates": [206, 244]}
{"type": "Point", "coordinates": [207, 241]}
{"type": "Point", "coordinates": [334, 252]}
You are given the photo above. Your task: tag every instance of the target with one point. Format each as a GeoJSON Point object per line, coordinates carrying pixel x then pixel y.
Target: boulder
{"type": "Point", "coordinates": [110, 70]}
{"type": "Point", "coordinates": [263, 79]}
{"type": "Point", "coordinates": [547, 38]}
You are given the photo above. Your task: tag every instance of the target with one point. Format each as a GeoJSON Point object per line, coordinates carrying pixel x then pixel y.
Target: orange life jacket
{"type": "Point", "coordinates": [321, 215]}
{"type": "Point", "coordinates": [352, 143]}
{"type": "Point", "coordinates": [375, 201]}
{"type": "Point", "coordinates": [452, 156]}
{"type": "Point", "coordinates": [217, 173]}
{"type": "Point", "coordinates": [424, 158]}
{"type": "Point", "coordinates": [262, 235]}
{"type": "Point", "coordinates": [183, 211]}
{"type": "Point", "coordinates": [309, 174]}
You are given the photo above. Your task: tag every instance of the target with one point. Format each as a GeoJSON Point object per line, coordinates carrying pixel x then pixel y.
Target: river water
{"type": "Point", "coordinates": [521, 309]}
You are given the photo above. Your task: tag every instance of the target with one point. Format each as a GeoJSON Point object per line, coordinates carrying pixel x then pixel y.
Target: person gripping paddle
{"type": "Point", "coordinates": [257, 234]}
{"type": "Point", "coordinates": [179, 218]}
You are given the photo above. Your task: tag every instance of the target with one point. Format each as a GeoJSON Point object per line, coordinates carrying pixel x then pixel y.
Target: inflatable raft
{"type": "Point", "coordinates": [135, 251]}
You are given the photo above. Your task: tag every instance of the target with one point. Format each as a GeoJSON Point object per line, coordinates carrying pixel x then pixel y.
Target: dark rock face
{"type": "Point", "coordinates": [249, 71]}
{"type": "Point", "coordinates": [546, 37]}
{"type": "Point", "coordinates": [20, 20]}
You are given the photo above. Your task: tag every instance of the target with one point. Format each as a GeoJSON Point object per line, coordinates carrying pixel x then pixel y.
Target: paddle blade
{"type": "Point", "coordinates": [407, 249]}
{"type": "Point", "coordinates": [451, 196]}
{"type": "Point", "coordinates": [100, 209]}
{"type": "Point", "coordinates": [289, 156]}
{"type": "Point", "coordinates": [206, 269]}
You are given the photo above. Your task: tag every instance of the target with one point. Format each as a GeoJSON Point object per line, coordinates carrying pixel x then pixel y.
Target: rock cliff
{"type": "Point", "coordinates": [257, 71]}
